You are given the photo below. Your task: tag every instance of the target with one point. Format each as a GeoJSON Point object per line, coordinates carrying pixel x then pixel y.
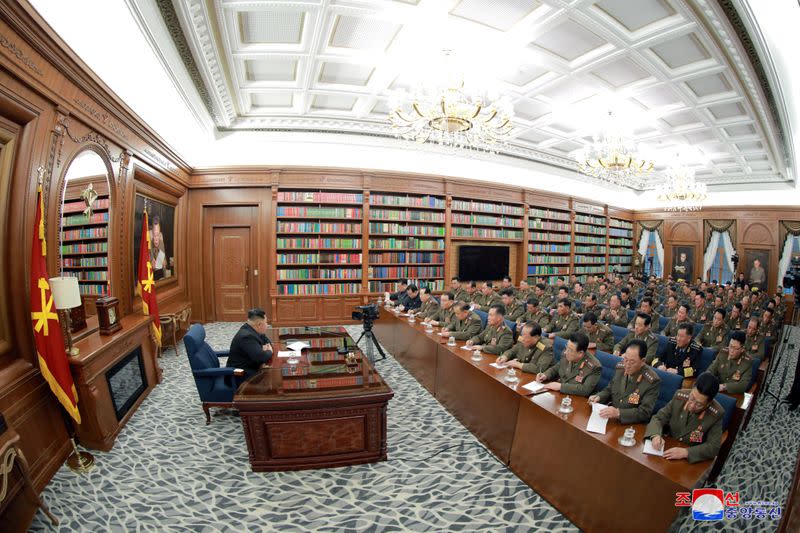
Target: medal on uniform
{"type": "Point", "coordinates": [696, 436]}
{"type": "Point", "coordinates": [493, 342]}
{"type": "Point", "coordinates": [633, 399]}
{"type": "Point", "coordinates": [687, 363]}
{"type": "Point", "coordinates": [579, 378]}
{"type": "Point", "coordinates": [755, 347]}
{"type": "Point", "coordinates": [719, 338]}
{"type": "Point", "coordinates": [736, 376]}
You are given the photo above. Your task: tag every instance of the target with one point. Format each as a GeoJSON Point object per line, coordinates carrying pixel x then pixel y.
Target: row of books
{"type": "Point", "coordinates": [548, 259]}
{"type": "Point", "coordinates": [318, 288]}
{"type": "Point", "coordinates": [619, 259]}
{"type": "Point", "coordinates": [319, 212]}
{"type": "Point", "coordinates": [619, 232]}
{"type": "Point", "coordinates": [390, 286]}
{"type": "Point", "coordinates": [318, 227]}
{"type": "Point", "coordinates": [318, 273]}
{"type": "Point", "coordinates": [84, 248]}
{"type": "Point", "coordinates": [75, 220]}
{"type": "Point", "coordinates": [321, 197]}
{"type": "Point", "coordinates": [596, 259]}
{"type": "Point", "coordinates": [590, 269]}
{"type": "Point", "coordinates": [324, 357]}
{"type": "Point", "coordinates": [94, 289]}
{"type": "Point", "coordinates": [88, 275]}
{"type": "Point", "coordinates": [500, 209]}
{"type": "Point", "coordinates": [464, 218]}
{"type": "Point", "coordinates": [85, 233]}
{"type": "Point", "coordinates": [407, 201]}
{"type": "Point", "coordinates": [549, 237]}
{"type": "Point", "coordinates": [597, 230]}
{"type": "Point", "coordinates": [486, 233]}
{"type": "Point", "coordinates": [388, 228]}
{"type": "Point", "coordinates": [305, 259]}
{"type": "Point", "coordinates": [415, 244]}
{"type": "Point", "coordinates": [97, 261]}
{"type": "Point", "coordinates": [589, 219]}
{"type": "Point", "coordinates": [406, 272]}
{"type": "Point", "coordinates": [409, 216]}
{"type": "Point", "coordinates": [552, 226]}
{"type": "Point", "coordinates": [77, 206]}
{"type": "Point", "coordinates": [549, 248]}
{"type": "Point", "coordinates": [620, 242]}
{"type": "Point", "coordinates": [548, 213]}
{"type": "Point", "coordinates": [283, 242]}
{"type": "Point", "coordinates": [617, 223]}
{"type": "Point", "coordinates": [619, 251]}
{"type": "Point", "coordinates": [406, 257]}
{"type": "Point", "coordinates": [583, 249]}
{"type": "Point", "coordinates": [586, 239]}
{"type": "Point", "coordinates": [535, 270]}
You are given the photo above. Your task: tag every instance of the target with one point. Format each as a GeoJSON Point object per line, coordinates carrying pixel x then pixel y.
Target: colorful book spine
{"type": "Point", "coordinates": [619, 259]}
{"type": "Point", "coordinates": [79, 206]}
{"type": "Point", "coordinates": [396, 272]}
{"type": "Point", "coordinates": [414, 244]}
{"type": "Point", "coordinates": [86, 233]}
{"type": "Point", "coordinates": [398, 229]}
{"type": "Point", "coordinates": [585, 239]}
{"type": "Point", "coordinates": [304, 289]}
{"type": "Point", "coordinates": [318, 227]}
{"type": "Point", "coordinates": [319, 212]}
{"type": "Point", "coordinates": [321, 197]}
{"type": "Point", "coordinates": [582, 249]}
{"type": "Point", "coordinates": [588, 219]}
{"type": "Point", "coordinates": [618, 232]}
{"type": "Point", "coordinates": [305, 259]}
{"type": "Point", "coordinates": [590, 269]}
{"type": "Point", "coordinates": [88, 275]}
{"type": "Point", "coordinates": [617, 223]}
{"type": "Point", "coordinates": [318, 243]}
{"type": "Point", "coordinates": [407, 201]}
{"type": "Point", "coordinates": [549, 237]}
{"type": "Point", "coordinates": [94, 289]}
{"type": "Point", "coordinates": [500, 209]}
{"type": "Point", "coordinates": [546, 225]}
{"type": "Point", "coordinates": [406, 216]}
{"type": "Point", "coordinates": [98, 261]}
{"type": "Point", "coordinates": [536, 270]}
{"type": "Point", "coordinates": [597, 230]}
{"type": "Point", "coordinates": [546, 213]}
{"type": "Point", "coordinates": [620, 242]}
{"type": "Point", "coordinates": [486, 233]}
{"type": "Point", "coordinates": [85, 248]}
{"type": "Point", "coordinates": [406, 257]}
{"type": "Point", "coordinates": [76, 220]}
{"type": "Point", "coordinates": [549, 248]}
{"type": "Point", "coordinates": [595, 259]}
{"type": "Point", "coordinates": [548, 259]}
{"type": "Point", "coordinates": [466, 218]}
{"type": "Point", "coordinates": [390, 286]}
{"type": "Point", "coordinates": [313, 274]}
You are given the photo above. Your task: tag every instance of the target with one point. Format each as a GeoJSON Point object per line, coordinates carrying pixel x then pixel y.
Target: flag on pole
{"type": "Point", "coordinates": [147, 287]}
{"type": "Point", "coordinates": [47, 334]}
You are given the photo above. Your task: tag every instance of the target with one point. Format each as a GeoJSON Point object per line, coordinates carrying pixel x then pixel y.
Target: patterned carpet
{"type": "Point", "coordinates": [170, 472]}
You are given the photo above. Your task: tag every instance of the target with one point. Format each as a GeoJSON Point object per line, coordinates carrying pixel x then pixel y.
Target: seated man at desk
{"type": "Point", "coordinates": [250, 347]}
{"type": "Point", "coordinates": [465, 323]}
{"type": "Point", "coordinates": [495, 338]}
{"type": "Point", "coordinates": [444, 312]}
{"type": "Point", "coordinates": [534, 313]}
{"type": "Point", "coordinates": [565, 322]}
{"type": "Point", "coordinates": [410, 300]}
{"type": "Point", "coordinates": [532, 353]}
{"type": "Point", "coordinates": [577, 373]}
{"type": "Point", "coordinates": [614, 314]}
{"type": "Point", "coordinates": [429, 304]}
{"type": "Point", "coordinates": [733, 367]}
{"type": "Point", "coordinates": [633, 390]}
{"type": "Point", "coordinates": [713, 334]}
{"type": "Point", "coordinates": [514, 309]}
{"type": "Point", "coordinates": [692, 417]}
{"type": "Point", "coordinates": [393, 298]}
{"type": "Point", "coordinates": [681, 317]}
{"type": "Point", "coordinates": [682, 354]}
{"type": "Point", "coordinates": [641, 330]}
{"type": "Point", "coordinates": [600, 335]}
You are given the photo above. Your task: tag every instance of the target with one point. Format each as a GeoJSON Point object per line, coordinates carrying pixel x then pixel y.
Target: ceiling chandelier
{"type": "Point", "coordinates": [613, 157]}
{"type": "Point", "coordinates": [680, 191]}
{"type": "Point", "coordinates": [447, 113]}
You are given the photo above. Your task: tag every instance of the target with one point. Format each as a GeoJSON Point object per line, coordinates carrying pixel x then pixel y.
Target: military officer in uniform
{"type": "Point", "coordinates": [524, 291]}
{"type": "Point", "coordinates": [540, 292]}
{"type": "Point", "coordinates": [471, 288]}
{"type": "Point", "coordinates": [754, 343]}
{"type": "Point", "coordinates": [768, 328]}
{"type": "Point", "coordinates": [671, 308]}
{"type": "Point", "coordinates": [633, 390]}
{"type": "Point", "coordinates": [487, 297]}
{"type": "Point", "coordinates": [534, 313]}
{"type": "Point", "coordinates": [457, 288]}
{"type": "Point", "coordinates": [700, 313]}
{"type": "Point", "coordinates": [565, 322]}
{"type": "Point", "coordinates": [736, 320]}
{"type": "Point", "coordinates": [600, 336]}
{"type": "Point", "coordinates": [626, 300]}
{"type": "Point", "coordinates": [641, 330]}
{"type": "Point", "coordinates": [429, 304]}
{"type": "Point", "coordinates": [733, 367]}
{"type": "Point", "coordinates": [496, 337]}
{"type": "Point", "coordinates": [531, 353]}
{"type": "Point", "coordinates": [514, 309]}
{"type": "Point", "coordinates": [614, 314]}
{"type": "Point", "coordinates": [747, 308]}
{"type": "Point", "coordinates": [681, 317]}
{"type": "Point", "coordinates": [713, 335]}
{"type": "Point", "coordinates": [506, 283]}
{"type": "Point", "coordinates": [647, 308]}
{"type": "Point", "coordinates": [444, 312]}
{"type": "Point", "coordinates": [590, 304]}
{"type": "Point", "coordinates": [578, 371]}
{"type": "Point", "coordinates": [465, 324]}
{"type": "Point", "coordinates": [602, 294]}
{"type": "Point", "coordinates": [682, 354]}
{"type": "Point", "coordinates": [692, 417]}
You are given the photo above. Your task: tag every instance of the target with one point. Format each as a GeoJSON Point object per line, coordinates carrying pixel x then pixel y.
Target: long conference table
{"type": "Point", "coordinates": [593, 480]}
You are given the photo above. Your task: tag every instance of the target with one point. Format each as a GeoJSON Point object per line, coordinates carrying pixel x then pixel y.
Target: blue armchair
{"type": "Point", "coordinates": [215, 384]}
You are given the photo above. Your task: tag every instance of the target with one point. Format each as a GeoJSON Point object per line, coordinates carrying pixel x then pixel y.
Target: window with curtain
{"type": "Point", "coordinates": [651, 252]}
{"type": "Point", "coordinates": [796, 247]}
{"type": "Point", "coordinates": [720, 270]}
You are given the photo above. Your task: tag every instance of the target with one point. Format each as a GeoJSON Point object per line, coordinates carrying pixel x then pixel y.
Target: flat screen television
{"type": "Point", "coordinates": [482, 263]}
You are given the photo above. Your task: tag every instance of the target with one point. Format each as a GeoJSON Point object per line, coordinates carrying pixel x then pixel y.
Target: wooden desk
{"type": "Point", "coordinates": [314, 414]}
{"type": "Point", "coordinates": [590, 478]}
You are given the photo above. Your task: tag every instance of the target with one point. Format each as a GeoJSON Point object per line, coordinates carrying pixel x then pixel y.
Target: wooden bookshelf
{"type": "Point", "coordinates": [480, 220]}
{"type": "Point", "coordinates": [84, 238]}
{"type": "Point", "coordinates": [406, 241]}
{"type": "Point", "coordinates": [590, 231]}
{"type": "Point", "coordinates": [549, 243]}
{"type": "Point", "coordinates": [620, 245]}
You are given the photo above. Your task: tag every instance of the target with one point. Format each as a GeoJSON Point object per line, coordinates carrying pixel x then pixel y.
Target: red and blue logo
{"type": "Point", "coordinates": [708, 504]}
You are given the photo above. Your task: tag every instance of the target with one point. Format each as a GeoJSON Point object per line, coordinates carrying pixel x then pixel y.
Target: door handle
{"type": "Point", "coordinates": [247, 277]}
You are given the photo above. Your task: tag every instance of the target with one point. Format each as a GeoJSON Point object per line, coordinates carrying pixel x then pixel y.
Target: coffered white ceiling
{"type": "Point", "coordinates": [675, 68]}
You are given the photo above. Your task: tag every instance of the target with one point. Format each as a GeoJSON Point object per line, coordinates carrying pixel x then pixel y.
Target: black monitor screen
{"type": "Point", "coordinates": [482, 263]}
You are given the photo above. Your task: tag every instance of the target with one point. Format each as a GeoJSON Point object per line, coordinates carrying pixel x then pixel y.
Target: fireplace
{"type": "Point", "coordinates": [127, 381]}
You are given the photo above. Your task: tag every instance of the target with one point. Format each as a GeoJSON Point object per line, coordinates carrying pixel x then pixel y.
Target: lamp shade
{"type": "Point", "coordinates": [66, 293]}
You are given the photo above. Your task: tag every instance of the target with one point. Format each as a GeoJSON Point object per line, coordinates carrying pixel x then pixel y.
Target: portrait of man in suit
{"type": "Point", "coordinates": [758, 263]}
{"type": "Point", "coordinates": [683, 262]}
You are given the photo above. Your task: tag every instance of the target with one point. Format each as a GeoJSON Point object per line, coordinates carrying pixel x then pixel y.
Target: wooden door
{"type": "Point", "coordinates": [232, 272]}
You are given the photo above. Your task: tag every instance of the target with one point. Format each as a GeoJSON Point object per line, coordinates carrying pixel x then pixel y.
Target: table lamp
{"type": "Point", "coordinates": [66, 295]}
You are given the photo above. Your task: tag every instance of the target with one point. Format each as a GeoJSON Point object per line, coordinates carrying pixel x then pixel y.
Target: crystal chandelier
{"type": "Point", "coordinates": [680, 191]}
{"type": "Point", "coordinates": [613, 157]}
{"type": "Point", "coordinates": [447, 113]}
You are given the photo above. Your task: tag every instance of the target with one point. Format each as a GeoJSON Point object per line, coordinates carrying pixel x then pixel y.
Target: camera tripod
{"type": "Point", "coordinates": [372, 342]}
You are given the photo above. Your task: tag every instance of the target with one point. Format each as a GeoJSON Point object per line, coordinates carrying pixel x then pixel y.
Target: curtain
{"type": "Point", "coordinates": [711, 251]}
{"type": "Point", "coordinates": [728, 246]}
{"type": "Point", "coordinates": [789, 231]}
{"type": "Point", "coordinates": [720, 226]}
{"type": "Point", "coordinates": [660, 252]}
{"type": "Point", "coordinates": [643, 240]}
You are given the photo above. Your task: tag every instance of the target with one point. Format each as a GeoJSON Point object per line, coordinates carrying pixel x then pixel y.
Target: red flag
{"type": "Point", "coordinates": [47, 334]}
{"type": "Point", "coordinates": [147, 287]}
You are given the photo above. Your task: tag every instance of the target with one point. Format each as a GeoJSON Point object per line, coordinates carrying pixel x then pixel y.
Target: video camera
{"type": "Point", "coordinates": [792, 278]}
{"type": "Point", "coordinates": [366, 313]}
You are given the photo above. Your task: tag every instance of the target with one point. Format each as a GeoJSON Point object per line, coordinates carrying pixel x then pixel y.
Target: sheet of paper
{"type": "Point", "coordinates": [534, 386]}
{"type": "Point", "coordinates": [498, 365]}
{"type": "Point", "coordinates": [650, 450]}
{"type": "Point", "coordinates": [746, 402]}
{"type": "Point", "coordinates": [467, 347]}
{"type": "Point", "coordinates": [287, 354]}
{"type": "Point", "coordinates": [297, 346]}
{"type": "Point", "coordinates": [597, 424]}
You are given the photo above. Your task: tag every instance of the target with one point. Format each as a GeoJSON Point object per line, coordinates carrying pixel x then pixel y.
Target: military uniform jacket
{"type": "Point", "coordinates": [754, 345]}
{"type": "Point", "coordinates": [514, 311]}
{"type": "Point", "coordinates": [461, 295]}
{"type": "Point", "coordinates": [522, 295]}
{"type": "Point", "coordinates": [539, 317]}
{"type": "Point", "coordinates": [712, 337]}
{"type": "Point", "coordinates": [669, 313]}
{"type": "Point", "coordinates": [620, 320]}
{"type": "Point", "coordinates": [546, 300]}
{"type": "Point", "coordinates": [486, 301]}
{"type": "Point", "coordinates": [767, 331]}
{"type": "Point", "coordinates": [702, 432]}
{"type": "Point", "coordinates": [602, 299]}
{"type": "Point", "coordinates": [537, 358]}
{"type": "Point", "coordinates": [654, 318]}
{"type": "Point", "coordinates": [737, 322]}
{"type": "Point", "coordinates": [634, 396]}
{"type": "Point", "coordinates": [671, 329]}
{"type": "Point", "coordinates": [685, 359]}
{"type": "Point", "coordinates": [465, 329]}
{"type": "Point", "coordinates": [564, 326]}
{"type": "Point", "coordinates": [579, 378]}
{"type": "Point", "coordinates": [428, 308]}
{"type": "Point", "coordinates": [649, 338]}
{"type": "Point", "coordinates": [700, 316]}
{"type": "Point", "coordinates": [735, 375]}
{"type": "Point", "coordinates": [442, 316]}
{"type": "Point", "coordinates": [603, 338]}
{"type": "Point", "coordinates": [495, 340]}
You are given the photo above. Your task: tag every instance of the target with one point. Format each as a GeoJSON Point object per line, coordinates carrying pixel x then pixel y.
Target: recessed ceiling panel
{"type": "Point", "coordinates": [272, 99]}
{"type": "Point", "coordinates": [634, 15]}
{"type": "Point", "coordinates": [620, 72]}
{"type": "Point", "coordinates": [270, 69]}
{"type": "Point", "coordinates": [682, 51]}
{"type": "Point", "coordinates": [337, 102]}
{"type": "Point", "coordinates": [271, 27]}
{"type": "Point", "coordinates": [362, 33]}
{"type": "Point", "coordinates": [709, 85]}
{"type": "Point", "coordinates": [524, 74]}
{"type": "Point", "coordinates": [345, 73]}
{"type": "Point", "coordinates": [740, 130]}
{"type": "Point", "coordinates": [569, 41]}
{"type": "Point", "coordinates": [724, 111]}
{"type": "Point", "coordinates": [497, 14]}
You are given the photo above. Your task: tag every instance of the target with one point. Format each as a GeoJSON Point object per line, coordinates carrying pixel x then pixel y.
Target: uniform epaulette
{"type": "Point", "coordinates": [747, 356]}
{"type": "Point", "coordinates": [620, 365]}
{"type": "Point", "coordinates": [696, 345]}
{"type": "Point", "coordinates": [540, 345]}
{"type": "Point", "coordinates": [672, 340]}
{"type": "Point", "coordinates": [683, 394]}
{"type": "Point", "coordinates": [650, 375]}
{"type": "Point", "coordinates": [714, 409]}
{"type": "Point", "coordinates": [651, 335]}
{"type": "Point", "coordinates": [590, 363]}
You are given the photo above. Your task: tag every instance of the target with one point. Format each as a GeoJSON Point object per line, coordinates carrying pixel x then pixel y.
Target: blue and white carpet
{"type": "Point", "coordinates": [168, 471]}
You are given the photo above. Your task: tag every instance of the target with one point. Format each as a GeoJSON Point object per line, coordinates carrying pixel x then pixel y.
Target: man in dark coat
{"type": "Point", "coordinates": [250, 347]}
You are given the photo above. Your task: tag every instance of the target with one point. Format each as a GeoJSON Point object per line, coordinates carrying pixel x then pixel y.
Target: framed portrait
{"type": "Point", "coordinates": [683, 263]}
{"type": "Point", "coordinates": [756, 268]}
{"type": "Point", "coordinates": [161, 225]}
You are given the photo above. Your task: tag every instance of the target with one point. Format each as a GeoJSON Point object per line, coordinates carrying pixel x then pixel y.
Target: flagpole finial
{"type": "Point", "coordinates": [40, 178]}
